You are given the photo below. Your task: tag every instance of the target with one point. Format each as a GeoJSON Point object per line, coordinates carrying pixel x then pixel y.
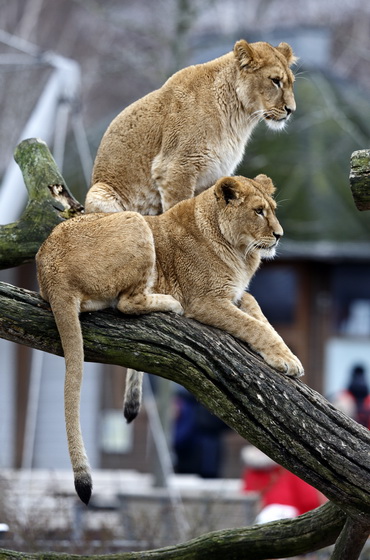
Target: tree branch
{"type": "Point", "coordinates": [351, 540]}
{"type": "Point", "coordinates": [359, 179]}
{"type": "Point", "coordinates": [285, 418]}
{"type": "Point", "coordinates": [49, 202]}
{"type": "Point", "coordinates": [288, 537]}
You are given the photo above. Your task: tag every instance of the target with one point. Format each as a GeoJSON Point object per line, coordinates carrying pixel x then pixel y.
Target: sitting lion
{"type": "Point", "coordinates": [178, 140]}
{"type": "Point", "coordinates": [196, 259]}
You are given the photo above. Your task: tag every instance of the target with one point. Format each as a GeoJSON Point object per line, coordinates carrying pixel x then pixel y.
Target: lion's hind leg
{"type": "Point", "coordinates": [139, 303]}
{"type": "Point", "coordinates": [145, 302]}
{"type": "Point", "coordinates": [103, 198]}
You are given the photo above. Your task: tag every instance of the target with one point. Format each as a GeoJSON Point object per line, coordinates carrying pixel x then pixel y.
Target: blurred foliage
{"type": "Point", "coordinates": [310, 161]}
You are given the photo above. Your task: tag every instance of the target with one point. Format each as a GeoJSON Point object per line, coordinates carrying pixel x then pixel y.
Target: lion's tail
{"type": "Point", "coordinates": [133, 394]}
{"type": "Point", "coordinates": [66, 313]}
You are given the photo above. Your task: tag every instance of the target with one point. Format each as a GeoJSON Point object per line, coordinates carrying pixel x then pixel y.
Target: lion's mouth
{"type": "Point", "coordinates": [269, 117]}
{"type": "Point", "coordinates": [274, 122]}
{"type": "Point", "coordinates": [265, 246]}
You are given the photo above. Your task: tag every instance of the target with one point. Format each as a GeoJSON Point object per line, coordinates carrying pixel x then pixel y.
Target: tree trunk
{"type": "Point", "coordinates": [285, 418]}
{"type": "Point", "coordinates": [351, 540]}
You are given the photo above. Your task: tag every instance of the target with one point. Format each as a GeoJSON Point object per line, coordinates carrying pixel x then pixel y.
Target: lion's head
{"type": "Point", "coordinates": [266, 81]}
{"type": "Point", "coordinates": [246, 215]}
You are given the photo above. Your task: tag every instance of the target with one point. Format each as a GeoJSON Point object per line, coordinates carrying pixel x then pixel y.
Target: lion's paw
{"type": "Point", "coordinates": [178, 308]}
{"type": "Point", "coordinates": [294, 367]}
{"type": "Point", "coordinates": [173, 304]}
{"type": "Point", "coordinates": [287, 363]}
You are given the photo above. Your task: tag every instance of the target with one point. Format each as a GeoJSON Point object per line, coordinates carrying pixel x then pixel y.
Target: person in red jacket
{"type": "Point", "coordinates": [282, 493]}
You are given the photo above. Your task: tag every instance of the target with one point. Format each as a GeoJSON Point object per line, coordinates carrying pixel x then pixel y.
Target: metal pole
{"type": "Point", "coordinates": [164, 457]}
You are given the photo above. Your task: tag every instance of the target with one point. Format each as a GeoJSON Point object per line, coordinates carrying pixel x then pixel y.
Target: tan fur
{"type": "Point", "coordinates": [178, 140]}
{"type": "Point", "coordinates": [197, 258]}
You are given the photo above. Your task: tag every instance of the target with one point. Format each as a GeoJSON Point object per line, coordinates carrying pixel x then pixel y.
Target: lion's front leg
{"type": "Point", "coordinates": [249, 305]}
{"type": "Point", "coordinates": [174, 178]}
{"type": "Point", "coordinates": [144, 302]}
{"type": "Point", "coordinates": [257, 332]}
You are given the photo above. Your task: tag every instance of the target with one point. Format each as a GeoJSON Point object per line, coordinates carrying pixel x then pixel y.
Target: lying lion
{"type": "Point", "coordinates": [196, 259]}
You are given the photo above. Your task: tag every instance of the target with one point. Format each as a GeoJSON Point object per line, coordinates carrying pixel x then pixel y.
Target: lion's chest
{"type": "Point", "coordinates": [222, 159]}
{"type": "Point", "coordinates": [239, 285]}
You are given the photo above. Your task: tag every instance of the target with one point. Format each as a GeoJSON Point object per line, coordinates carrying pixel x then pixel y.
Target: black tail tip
{"type": "Point", "coordinates": [84, 489]}
{"type": "Point", "coordinates": [130, 412]}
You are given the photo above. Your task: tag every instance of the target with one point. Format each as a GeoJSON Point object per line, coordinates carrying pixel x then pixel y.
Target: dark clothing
{"type": "Point", "coordinates": [197, 438]}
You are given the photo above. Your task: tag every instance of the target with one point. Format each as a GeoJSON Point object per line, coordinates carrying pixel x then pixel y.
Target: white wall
{"type": "Point", "coordinates": [341, 355]}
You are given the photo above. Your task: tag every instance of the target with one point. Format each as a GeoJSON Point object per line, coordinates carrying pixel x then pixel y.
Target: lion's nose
{"type": "Point", "coordinates": [277, 236]}
{"type": "Point", "coordinates": [288, 110]}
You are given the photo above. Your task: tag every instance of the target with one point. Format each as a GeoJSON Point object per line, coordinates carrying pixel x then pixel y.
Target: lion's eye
{"type": "Point", "coordinates": [276, 82]}
{"type": "Point", "coordinates": [259, 211]}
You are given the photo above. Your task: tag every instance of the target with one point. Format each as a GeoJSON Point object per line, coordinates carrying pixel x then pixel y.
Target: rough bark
{"type": "Point", "coordinates": [292, 423]}
{"type": "Point", "coordinates": [359, 179]}
{"type": "Point", "coordinates": [285, 418]}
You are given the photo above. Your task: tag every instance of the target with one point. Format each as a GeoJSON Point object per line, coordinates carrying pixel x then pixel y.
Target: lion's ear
{"type": "Point", "coordinates": [265, 183]}
{"type": "Point", "coordinates": [227, 189]}
{"type": "Point", "coordinates": [246, 55]}
{"type": "Point", "coordinates": [287, 51]}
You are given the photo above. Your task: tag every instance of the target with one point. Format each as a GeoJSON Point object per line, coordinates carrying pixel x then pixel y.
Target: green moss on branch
{"type": "Point", "coordinates": [49, 202]}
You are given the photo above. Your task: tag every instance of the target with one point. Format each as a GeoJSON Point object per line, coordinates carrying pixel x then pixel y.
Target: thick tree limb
{"type": "Point", "coordinates": [286, 419]}
{"type": "Point", "coordinates": [359, 179]}
{"type": "Point", "coordinates": [295, 425]}
{"type": "Point", "coordinates": [49, 202]}
{"type": "Point", "coordinates": [289, 421]}
{"type": "Point", "coordinates": [282, 538]}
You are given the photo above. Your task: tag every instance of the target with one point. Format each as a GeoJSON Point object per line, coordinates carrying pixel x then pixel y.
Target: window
{"type": "Point", "coordinates": [351, 296]}
{"type": "Point", "coordinates": [276, 290]}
